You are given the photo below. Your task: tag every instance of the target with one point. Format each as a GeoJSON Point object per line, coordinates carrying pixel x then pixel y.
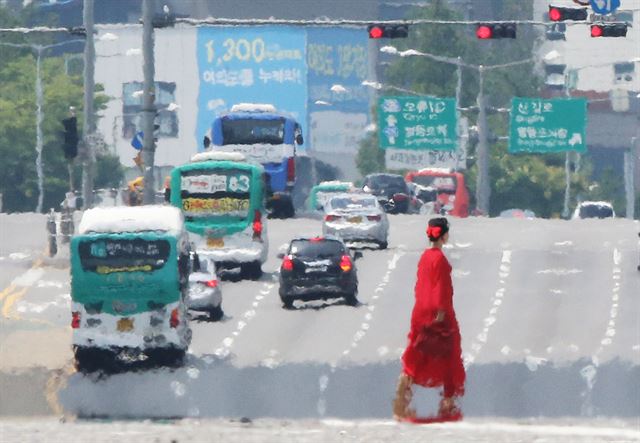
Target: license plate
{"type": "Point", "coordinates": [357, 219]}
{"type": "Point", "coordinates": [125, 325]}
{"type": "Point", "coordinates": [316, 269]}
{"type": "Point", "coordinates": [215, 242]}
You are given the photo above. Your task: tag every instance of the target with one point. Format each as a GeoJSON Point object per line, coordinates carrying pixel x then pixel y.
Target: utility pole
{"type": "Point", "coordinates": [39, 119]}
{"type": "Point", "coordinates": [483, 189]}
{"type": "Point", "coordinates": [148, 105]}
{"type": "Point", "coordinates": [88, 126]}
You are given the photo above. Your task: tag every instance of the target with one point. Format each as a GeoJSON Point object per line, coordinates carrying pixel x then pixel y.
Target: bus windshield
{"type": "Point", "coordinates": [248, 131]}
{"type": "Point", "coordinates": [207, 193]}
{"type": "Point", "coordinates": [435, 181]}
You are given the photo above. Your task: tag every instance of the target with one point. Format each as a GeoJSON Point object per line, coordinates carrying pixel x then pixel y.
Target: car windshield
{"type": "Point", "coordinates": [595, 211]}
{"type": "Point", "coordinates": [350, 203]}
{"type": "Point", "coordinates": [320, 248]}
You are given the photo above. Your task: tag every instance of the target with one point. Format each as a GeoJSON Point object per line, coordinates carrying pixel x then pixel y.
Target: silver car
{"type": "Point", "coordinates": [356, 218]}
{"type": "Point", "coordinates": [204, 293]}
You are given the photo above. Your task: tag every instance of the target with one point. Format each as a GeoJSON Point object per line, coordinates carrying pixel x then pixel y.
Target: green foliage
{"type": "Point", "coordinates": [370, 157]}
{"type": "Point", "coordinates": [18, 178]}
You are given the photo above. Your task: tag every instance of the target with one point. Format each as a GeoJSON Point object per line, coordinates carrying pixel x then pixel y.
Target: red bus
{"type": "Point", "coordinates": [444, 187]}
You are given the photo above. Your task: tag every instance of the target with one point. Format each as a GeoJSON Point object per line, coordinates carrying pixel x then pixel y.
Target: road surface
{"type": "Point", "coordinates": [549, 312]}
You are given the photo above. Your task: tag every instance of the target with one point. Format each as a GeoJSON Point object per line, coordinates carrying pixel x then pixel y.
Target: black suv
{"type": "Point", "coordinates": [391, 190]}
{"type": "Point", "coordinates": [318, 268]}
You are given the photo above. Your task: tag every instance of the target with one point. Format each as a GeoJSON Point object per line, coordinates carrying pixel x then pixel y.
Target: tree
{"type": "Point", "coordinates": [18, 178]}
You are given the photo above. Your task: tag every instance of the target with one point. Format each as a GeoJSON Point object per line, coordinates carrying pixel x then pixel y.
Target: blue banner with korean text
{"type": "Point", "coordinates": [251, 65]}
{"type": "Point", "coordinates": [338, 63]}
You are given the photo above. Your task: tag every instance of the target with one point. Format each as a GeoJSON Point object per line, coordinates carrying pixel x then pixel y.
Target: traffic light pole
{"type": "Point", "coordinates": [148, 105]}
{"type": "Point", "coordinates": [483, 188]}
{"type": "Point", "coordinates": [88, 127]}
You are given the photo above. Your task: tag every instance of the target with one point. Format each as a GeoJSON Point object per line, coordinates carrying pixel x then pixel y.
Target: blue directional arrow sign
{"type": "Point", "coordinates": [604, 7]}
{"type": "Point", "coordinates": [136, 142]}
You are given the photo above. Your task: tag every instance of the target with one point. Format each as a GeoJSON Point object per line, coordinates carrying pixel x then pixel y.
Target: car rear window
{"type": "Point", "coordinates": [316, 248]}
{"type": "Point", "coordinates": [352, 203]}
{"type": "Point", "coordinates": [595, 211]}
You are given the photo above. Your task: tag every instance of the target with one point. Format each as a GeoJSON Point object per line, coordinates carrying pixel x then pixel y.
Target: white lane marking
{"type": "Point", "coordinates": [563, 243]}
{"type": "Point", "coordinates": [272, 360]}
{"type": "Point", "coordinates": [62, 300]}
{"type": "Point", "coordinates": [321, 406]}
{"type": "Point", "coordinates": [224, 350]}
{"type": "Point", "coordinates": [560, 271]}
{"type": "Point", "coordinates": [19, 256]}
{"type": "Point", "coordinates": [28, 278]}
{"type": "Point", "coordinates": [463, 245]}
{"type": "Point", "coordinates": [590, 372]}
{"type": "Point", "coordinates": [496, 301]}
{"type": "Point", "coordinates": [50, 284]}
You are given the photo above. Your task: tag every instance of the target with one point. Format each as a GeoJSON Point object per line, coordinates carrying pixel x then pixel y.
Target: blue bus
{"type": "Point", "coordinates": [264, 136]}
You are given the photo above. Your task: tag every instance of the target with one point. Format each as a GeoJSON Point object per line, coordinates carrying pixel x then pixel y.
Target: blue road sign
{"type": "Point", "coordinates": [604, 7]}
{"type": "Point", "coordinates": [136, 142]}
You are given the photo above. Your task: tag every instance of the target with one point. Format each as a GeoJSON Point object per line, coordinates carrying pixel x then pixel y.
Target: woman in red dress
{"type": "Point", "coordinates": [438, 365]}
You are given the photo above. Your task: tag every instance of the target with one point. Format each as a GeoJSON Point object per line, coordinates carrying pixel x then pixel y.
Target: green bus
{"type": "Point", "coordinates": [320, 193]}
{"type": "Point", "coordinates": [222, 198]}
{"type": "Point", "coordinates": [129, 280]}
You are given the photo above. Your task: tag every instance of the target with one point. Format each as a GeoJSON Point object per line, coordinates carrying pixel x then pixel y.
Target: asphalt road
{"type": "Point", "coordinates": [549, 312]}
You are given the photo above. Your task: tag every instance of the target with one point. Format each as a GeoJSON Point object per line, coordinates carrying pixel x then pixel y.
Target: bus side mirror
{"type": "Point", "coordinates": [357, 255]}
{"type": "Point", "coordinates": [206, 141]}
{"type": "Point", "coordinates": [299, 139]}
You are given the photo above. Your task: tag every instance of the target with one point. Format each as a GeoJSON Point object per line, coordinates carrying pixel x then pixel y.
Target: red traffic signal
{"type": "Point", "coordinates": [388, 31]}
{"type": "Point", "coordinates": [559, 14]}
{"type": "Point", "coordinates": [375, 32]}
{"type": "Point", "coordinates": [487, 31]}
{"type": "Point", "coordinates": [609, 30]}
{"type": "Point", "coordinates": [484, 32]}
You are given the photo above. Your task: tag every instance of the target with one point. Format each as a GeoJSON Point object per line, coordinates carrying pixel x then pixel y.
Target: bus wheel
{"type": "Point", "coordinates": [252, 270]}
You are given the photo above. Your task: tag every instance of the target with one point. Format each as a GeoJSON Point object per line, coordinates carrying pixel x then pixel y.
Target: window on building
{"type": "Point", "coordinates": [624, 72]}
{"type": "Point", "coordinates": [555, 75]}
{"type": "Point", "coordinates": [167, 119]}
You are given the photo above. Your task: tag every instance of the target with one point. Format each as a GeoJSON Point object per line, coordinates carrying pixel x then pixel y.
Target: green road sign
{"type": "Point", "coordinates": [548, 125]}
{"type": "Point", "coordinates": [417, 123]}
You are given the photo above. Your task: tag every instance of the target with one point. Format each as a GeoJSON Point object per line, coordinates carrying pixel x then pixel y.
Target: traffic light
{"type": "Point", "coordinates": [70, 146]}
{"type": "Point", "coordinates": [609, 30]}
{"type": "Point", "coordinates": [388, 31]}
{"type": "Point", "coordinates": [559, 14]}
{"type": "Point", "coordinates": [488, 31]}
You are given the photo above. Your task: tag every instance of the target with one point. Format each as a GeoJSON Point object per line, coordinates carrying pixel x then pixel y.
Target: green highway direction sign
{"type": "Point", "coordinates": [548, 125]}
{"type": "Point", "coordinates": [417, 123]}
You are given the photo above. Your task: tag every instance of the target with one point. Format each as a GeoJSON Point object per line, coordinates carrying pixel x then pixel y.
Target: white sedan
{"type": "Point", "coordinates": [204, 293]}
{"type": "Point", "coordinates": [356, 218]}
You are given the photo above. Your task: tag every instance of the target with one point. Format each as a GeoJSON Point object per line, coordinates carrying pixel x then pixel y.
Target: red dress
{"type": "Point", "coordinates": [434, 291]}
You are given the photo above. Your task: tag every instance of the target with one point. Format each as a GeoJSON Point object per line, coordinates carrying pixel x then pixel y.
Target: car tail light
{"type": "Point", "coordinates": [287, 263]}
{"type": "Point", "coordinates": [374, 218]}
{"type": "Point", "coordinates": [316, 239]}
{"type": "Point", "coordinates": [291, 170]}
{"type": "Point", "coordinates": [331, 218]}
{"type": "Point", "coordinates": [345, 263]}
{"type": "Point", "coordinates": [257, 225]}
{"type": "Point", "coordinates": [174, 321]}
{"type": "Point", "coordinates": [75, 320]}
{"type": "Point", "coordinates": [211, 283]}
{"type": "Point", "coordinates": [400, 197]}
